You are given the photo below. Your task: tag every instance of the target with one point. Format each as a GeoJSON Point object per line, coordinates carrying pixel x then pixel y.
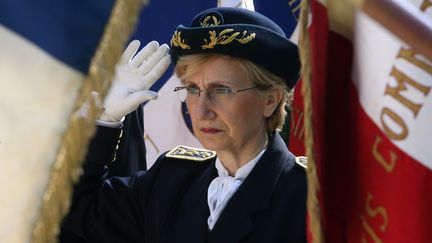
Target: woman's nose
{"type": "Point", "coordinates": [202, 109]}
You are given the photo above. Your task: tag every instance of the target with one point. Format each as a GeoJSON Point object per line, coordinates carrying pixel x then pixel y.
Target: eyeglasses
{"type": "Point", "coordinates": [214, 94]}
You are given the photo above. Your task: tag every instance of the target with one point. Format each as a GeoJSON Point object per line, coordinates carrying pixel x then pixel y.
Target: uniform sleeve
{"type": "Point", "coordinates": [106, 210]}
{"type": "Point", "coordinates": [131, 153]}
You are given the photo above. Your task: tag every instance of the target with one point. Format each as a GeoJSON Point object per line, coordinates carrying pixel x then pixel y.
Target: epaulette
{"type": "Point", "coordinates": [301, 161]}
{"type": "Point", "coordinates": [189, 153]}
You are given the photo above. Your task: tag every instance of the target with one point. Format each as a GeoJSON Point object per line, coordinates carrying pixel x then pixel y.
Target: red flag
{"type": "Point", "coordinates": [296, 139]}
{"type": "Point", "coordinates": [372, 130]}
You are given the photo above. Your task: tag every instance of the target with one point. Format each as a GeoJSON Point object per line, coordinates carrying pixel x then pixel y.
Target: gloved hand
{"type": "Point", "coordinates": [134, 75]}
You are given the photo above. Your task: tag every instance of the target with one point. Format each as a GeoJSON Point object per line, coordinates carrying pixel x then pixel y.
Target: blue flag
{"type": "Point", "coordinates": [46, 47]}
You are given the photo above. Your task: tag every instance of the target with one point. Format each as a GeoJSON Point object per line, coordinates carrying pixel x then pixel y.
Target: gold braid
{"type": "Point", "coordinates": [313, 183]}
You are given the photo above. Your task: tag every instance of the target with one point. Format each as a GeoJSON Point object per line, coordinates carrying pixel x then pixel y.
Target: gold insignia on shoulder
{"type": "Point", "coordinates": [302, 161]}
{"type": "Point", "coordinates": [189, 153]}
{"type": "Point", "coordinates": [225, 37]}
{"type": "Point", "coordinates": [176, 40]}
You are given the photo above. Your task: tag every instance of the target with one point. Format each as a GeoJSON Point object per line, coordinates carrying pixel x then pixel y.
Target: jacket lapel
{"type": "Point", "coordinates": [235, 221]}
{"type": "Point", "coordinates": [191, 225]}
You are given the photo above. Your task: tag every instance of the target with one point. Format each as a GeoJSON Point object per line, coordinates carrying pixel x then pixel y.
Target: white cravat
{"type": "Point", "coordinates": [223, 187]}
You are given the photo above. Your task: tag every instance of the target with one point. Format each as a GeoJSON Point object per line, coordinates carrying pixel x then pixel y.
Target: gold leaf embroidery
{"type": "Point", "coordinates": [206, 23]}
{"type": "Point", "coordinates": [226, 37]}
{"type": "Point", "coordinates": [246, 39]}
{"type": "Point", "coordinates": [177, 41]}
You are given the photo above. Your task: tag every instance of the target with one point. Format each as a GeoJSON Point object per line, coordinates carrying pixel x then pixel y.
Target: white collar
{"type": "Point", "coordinates": [243, 171]}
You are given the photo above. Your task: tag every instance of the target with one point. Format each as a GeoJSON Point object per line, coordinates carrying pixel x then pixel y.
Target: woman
{"type": "Point", "coordinates": [236, 68]}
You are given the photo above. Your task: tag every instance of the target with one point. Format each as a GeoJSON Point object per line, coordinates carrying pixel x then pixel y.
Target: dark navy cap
{"type": "Point", "coordinates": [240, 33]}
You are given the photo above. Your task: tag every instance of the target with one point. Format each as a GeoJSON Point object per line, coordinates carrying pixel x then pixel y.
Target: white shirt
{"type": "Point", "coordinates": [223, 187]}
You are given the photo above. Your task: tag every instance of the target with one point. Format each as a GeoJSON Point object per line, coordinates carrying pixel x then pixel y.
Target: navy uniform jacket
{"type": "Point", "coordinates": [168, 203]}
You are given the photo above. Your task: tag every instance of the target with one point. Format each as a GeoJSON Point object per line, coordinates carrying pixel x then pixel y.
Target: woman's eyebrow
{"type": "Point", "coordinates": [187, 82]}
{"type": "Point", "coordinates": [211, 83]}
{"type": "Point", "coordinates": [221, 82]}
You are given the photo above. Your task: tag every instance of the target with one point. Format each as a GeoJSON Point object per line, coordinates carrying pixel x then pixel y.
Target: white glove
{"type": "Point", "coordinates": [134, 75]}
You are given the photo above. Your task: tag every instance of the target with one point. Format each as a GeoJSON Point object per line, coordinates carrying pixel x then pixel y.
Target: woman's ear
{"type": "Point", "coordinates": [272, 100]}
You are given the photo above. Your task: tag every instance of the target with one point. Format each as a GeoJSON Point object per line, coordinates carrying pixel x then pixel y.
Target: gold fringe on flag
{"type": "Point", "coordinates": [313, 183]}
{"type": "Point", "coordinates": [67, 167]}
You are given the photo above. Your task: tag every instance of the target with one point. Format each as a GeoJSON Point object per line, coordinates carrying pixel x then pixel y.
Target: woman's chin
{"type": "Point", "coordinates": [211, 144]}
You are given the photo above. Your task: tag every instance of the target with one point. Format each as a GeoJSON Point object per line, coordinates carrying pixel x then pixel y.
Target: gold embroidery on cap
{"type": "Point", "coordinates": [184, 152]}
{"type": "Point", "coordinates": [177, 41]}
{"type": "Point", "coordinates": [226, 37]}
{"type": "Point", "coordinates": [206, 23]}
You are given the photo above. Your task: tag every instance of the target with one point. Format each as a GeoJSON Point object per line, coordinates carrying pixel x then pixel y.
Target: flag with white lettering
{"type": "Point", "coordinates": [372, 134]}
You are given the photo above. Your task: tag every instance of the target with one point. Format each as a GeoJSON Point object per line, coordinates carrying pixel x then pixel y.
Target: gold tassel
{"type": "Point", "coordinates": [67, 167]}
{"type": "Point", "coordinates": [313, 183]}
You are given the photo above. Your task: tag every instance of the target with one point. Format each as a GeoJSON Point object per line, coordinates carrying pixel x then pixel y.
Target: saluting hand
{"type": "Point", "coordinates": [134, 75]}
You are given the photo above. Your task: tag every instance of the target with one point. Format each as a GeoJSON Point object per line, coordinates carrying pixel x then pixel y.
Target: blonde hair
{"type": "Point", "coordinates": [190, 64]}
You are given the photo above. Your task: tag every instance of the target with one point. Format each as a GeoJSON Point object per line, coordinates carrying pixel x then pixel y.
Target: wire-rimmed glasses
{"type": "Point", "coordinates": [214, 94]}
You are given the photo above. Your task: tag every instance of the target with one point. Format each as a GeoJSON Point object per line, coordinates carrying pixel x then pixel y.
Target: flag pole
{"type": "Point", "coordinates": [404, 20]}
{"type": "Point", "coordinates": [313, 208]}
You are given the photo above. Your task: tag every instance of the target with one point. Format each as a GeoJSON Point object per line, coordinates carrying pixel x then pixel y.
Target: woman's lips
{"type": "Point", "coordinates": [209, 130]}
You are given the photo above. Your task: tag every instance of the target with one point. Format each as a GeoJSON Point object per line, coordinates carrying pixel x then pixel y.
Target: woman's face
{"type": "Point", "coordinates": [232, 122]}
